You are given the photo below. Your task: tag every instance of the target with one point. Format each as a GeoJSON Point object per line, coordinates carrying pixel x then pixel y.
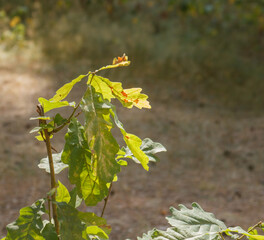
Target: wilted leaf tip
{"type": "Point", "coordinates": [118, 60]}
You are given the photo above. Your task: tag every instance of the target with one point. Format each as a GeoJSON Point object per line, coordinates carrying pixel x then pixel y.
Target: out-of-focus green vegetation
{"type": "Point", "coordinates": [212, 49]}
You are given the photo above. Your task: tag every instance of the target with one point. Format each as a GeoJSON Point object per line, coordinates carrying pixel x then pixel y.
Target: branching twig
{"type": "Point", "coordinates": [68, 120]}
{"type": "Point", "coordinates": [251, 229]}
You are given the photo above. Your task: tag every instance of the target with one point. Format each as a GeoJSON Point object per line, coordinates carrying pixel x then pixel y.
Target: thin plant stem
{"type": "Point", "coordinates": [49, 209]}
{"type": "Point", "coordinates": [250, 229]}
{"type": "Point", "coordinates": [106, 199]}
{"type": "Point", "coordinates": [222, 236]}
{"type": "Point", "coordinates": [68, 120]}
{"type": "Point", "coordinates": [52, 173]}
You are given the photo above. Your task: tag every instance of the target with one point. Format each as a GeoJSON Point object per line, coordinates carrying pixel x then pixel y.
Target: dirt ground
{"type": "Point", "coordinates": [214, 157]}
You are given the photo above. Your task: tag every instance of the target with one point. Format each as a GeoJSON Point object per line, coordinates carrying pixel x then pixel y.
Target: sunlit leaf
{"type": "Point", "coordinates": [96, 231]}
{"type": "Point", "coordinates": [57, 163]}
{"type": "Point", "coordinates": [74, 223]}
{"type": "Point", "coordinates": [39, 137]}
{"type": "Point", "coordinates": [35, 129]}
{"type": "Point", "coordinates": [117, 62]}
{"type": "Point", "coordinates": [65, 89]}
{"type": "Point", "coordinates": [29, 223]}
{"type": "Point", "coordinates": [96, 225]}
{"type": "Point", "coordinates": [63, 194]}
{"type": "Point", "coordinates": [128, 97]}
{"type": "Point", "coordinates": [40, 118]}
{"type": "Point", "coordinates": [101, 86]}
{"type": "Point", "coordinates": [134, 94]}
{"type": "Point", "coordinates": [101, 142]}
{"type": "Point", "coordinates": [82, 171]}
{"type": "Point", "coordinates": [49, 104]}
{"type": "Point", "coordinates": [241, 231]}
{"type": "Point", "coordinates": [133, 142]}
{"type": "Point", "coordinates": [149, 147]}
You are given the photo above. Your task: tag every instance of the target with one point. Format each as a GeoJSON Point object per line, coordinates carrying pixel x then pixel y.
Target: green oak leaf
{"type": "Point", "coordinates": [149, 147]}
{"type": "Point", "coordinates": [58, 164]}
{"type": "Point", "coordinates": [71, 227]}
{"type": "Point", "coordinates": [49, 231]}
{"type": "Point", "coordinates": [29, 223]}
{"type": "Point", "coordinates": [82, 171]}
{"type": "Point", "coordinates": [92, 220]}
{"type": "Point", "coordinates": [101, 142]}
{"type": "Point", "coordinates": [133, 142]}
{"type": "Point", "coordinates": [79, 225]}
{"type": "Point", "coordinates": [59, 120]}
{"type": "Point", "coordinates": [75, 200]}
{"type": "Point", "coordinates": [189, 224]}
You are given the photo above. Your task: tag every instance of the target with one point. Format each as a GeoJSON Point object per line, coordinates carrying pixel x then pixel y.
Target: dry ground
{"type": "Point", "coordinates": [214, 157]}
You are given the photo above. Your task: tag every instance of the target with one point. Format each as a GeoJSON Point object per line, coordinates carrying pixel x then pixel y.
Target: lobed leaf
{"type": "Point", "coordinates": [79, 225]}
{"type": "Point", "coordinates": [75, 200]}
{"type": "Point", "coordinates": [133, 142]}
{"type": "Point", "coordinates": [189, 224]}
{"type": "Point", "coordinates": [71, 226]}
{"type": "Point", "coordinates": [101, 142]}
{"type": "Point", "coordinates": [82, 171]}
{"type": "Point", "coordinates": [59, 120]}
{"type": "Point", "coordinates": [128, 97]}
{"type": "Point", "coordinates": [49, 232]}
{"type": "Point", "coordinates": [149, 147]}
{"type": "Point", "coordinates": [29, 223]}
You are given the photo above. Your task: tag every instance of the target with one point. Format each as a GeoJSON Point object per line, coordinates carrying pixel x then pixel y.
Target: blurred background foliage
{"type": "Point", "coordinates": [212, 50]}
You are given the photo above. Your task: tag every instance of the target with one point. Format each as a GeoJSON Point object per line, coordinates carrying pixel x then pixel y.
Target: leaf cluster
{"type": "Point", "coordinates": [91, 154]}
